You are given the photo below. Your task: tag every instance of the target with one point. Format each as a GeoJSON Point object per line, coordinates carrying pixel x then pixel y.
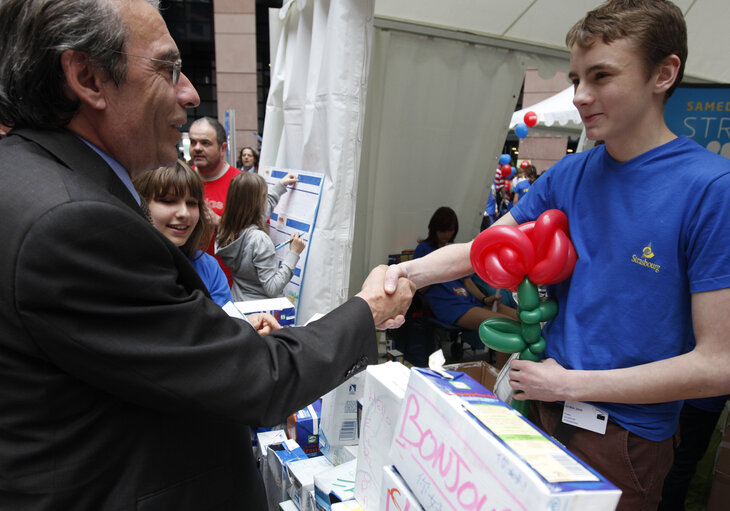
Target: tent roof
{"type": "Point", "coordinates": [557, 109]}
{"type": "Point", "coordinates": [544, 23]}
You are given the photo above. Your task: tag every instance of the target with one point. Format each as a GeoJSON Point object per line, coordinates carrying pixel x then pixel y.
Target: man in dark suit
{"type": "Point", "coordinates": [123, 385]}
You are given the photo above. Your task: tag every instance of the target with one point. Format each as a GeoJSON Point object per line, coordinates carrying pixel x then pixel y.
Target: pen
{"type": "Point", "coordinates": [281, 245]}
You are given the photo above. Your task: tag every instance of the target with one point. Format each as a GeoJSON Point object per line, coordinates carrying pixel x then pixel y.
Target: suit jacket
{"type": "Point", "coordinates": [122, 385]}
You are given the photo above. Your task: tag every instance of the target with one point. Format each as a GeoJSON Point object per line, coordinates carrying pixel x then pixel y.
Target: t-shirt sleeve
{"type": "Point", "coordinates": [708, 257]}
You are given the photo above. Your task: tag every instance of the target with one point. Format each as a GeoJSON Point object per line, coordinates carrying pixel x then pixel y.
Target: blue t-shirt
{"type": "Point", "coordinates": [213, 277]}
{"type": "Point", "coordinates": [522, 187]}
{"type": "Point", "coordinates": [448, 301]}
{"type": "Point", "coordinates": [642, 251]}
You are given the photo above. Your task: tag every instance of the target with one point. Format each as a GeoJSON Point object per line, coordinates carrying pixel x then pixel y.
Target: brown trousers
{"type": "Point", "coordinates": [637, 466]}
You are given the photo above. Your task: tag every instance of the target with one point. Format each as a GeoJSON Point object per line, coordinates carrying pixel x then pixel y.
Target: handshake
{"type": "Point", "coordinates": [389, 298]}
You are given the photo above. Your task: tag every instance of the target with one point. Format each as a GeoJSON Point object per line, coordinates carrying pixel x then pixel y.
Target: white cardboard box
{"type": "Point", "coordinates": [301, 478]}
{"type": "Point", "coordinates": [288, 505]}
{"type": "Point", "coordinates": [383, 392]}
{"type": "Point", "coordinates": [459, 447]}
{"type": "Point", "coordinates": [336, 484]}
{"type": "Point", "coordinates": [276, 478]}
{"type": "Point", "coordinates": [263, 440]}
{"type": "Point", "coordinates": [350, 505]}
{"type": "Point", "coordinates": [281, 308]}
{"type": "Point", "coordinates": [338, 424]}
{"type": "Point", "coordinates": [395, 494]}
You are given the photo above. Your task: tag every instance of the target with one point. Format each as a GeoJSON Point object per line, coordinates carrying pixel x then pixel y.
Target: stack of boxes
{"type": "Point", "coordinates": [428, 440]}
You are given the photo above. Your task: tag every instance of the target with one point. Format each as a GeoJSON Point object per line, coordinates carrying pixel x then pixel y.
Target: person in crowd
{"type": "Point", "coordinates": [490, 210]}
{"type": "Point", "coordinates": [459, 302]}
{"type": "Point", "coordinates": [248, 159]}
{"type": "Point", "coordinates": [520, 189]}
{"type": "Point", "coordinates": [244, 243]}
{"type": "Point", "coordinates": [208, 147]}
{"type": "Point", "coordinates": [124, 386]}
{"type": "Point", "coordinates": [642, 321]}
{"type": "Point", "coordinates": [697, 421]}
{"type": "Point", "coordinates": [174, 197]}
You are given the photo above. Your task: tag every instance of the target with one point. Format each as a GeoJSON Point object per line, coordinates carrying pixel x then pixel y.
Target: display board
{"type": "Point", "coordinates": [296, 212]}
{"type": "Point", "coordinates": [702, 113]}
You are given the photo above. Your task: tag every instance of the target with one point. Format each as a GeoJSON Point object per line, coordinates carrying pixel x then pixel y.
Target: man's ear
{"type": "Point", "coordinates": [667, 72]}
{"type": "Point", "coordinates": [83, 80]}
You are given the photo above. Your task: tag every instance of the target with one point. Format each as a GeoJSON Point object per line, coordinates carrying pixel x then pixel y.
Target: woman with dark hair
{"type": "Point", "coordinates": [174, 197]}
{"type": "Point", "coordinates": [458, 302]}
{"type": "Point", "coordinates": [248, 159]}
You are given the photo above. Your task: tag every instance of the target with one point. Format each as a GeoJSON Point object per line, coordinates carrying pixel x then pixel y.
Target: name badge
{"type": "Point", "coordinates": [585, 416]}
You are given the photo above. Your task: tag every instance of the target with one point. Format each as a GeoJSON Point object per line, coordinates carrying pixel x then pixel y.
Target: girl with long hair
{"type": "Point", "coordinates": [243, 241]}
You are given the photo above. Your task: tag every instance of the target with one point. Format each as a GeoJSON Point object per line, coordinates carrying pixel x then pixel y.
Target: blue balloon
{"type": "Point", "coordinates": [505, 159]}
{"type": "Point", "coordinates": [521, 130]}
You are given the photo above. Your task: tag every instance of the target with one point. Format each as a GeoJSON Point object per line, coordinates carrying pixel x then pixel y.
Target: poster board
{"type": "Point", "coordinates": [296, 212]}
{"type": "Point", "coordinates": [702, 113]}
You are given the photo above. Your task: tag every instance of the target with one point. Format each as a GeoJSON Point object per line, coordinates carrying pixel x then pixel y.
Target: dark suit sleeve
{"type": "Point", "coordinates": [109, 301]}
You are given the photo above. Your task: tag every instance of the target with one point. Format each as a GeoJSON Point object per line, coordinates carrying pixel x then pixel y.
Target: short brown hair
{"type": "Point", "coordinates": [244, 203]}
{"type": "Point", "coordinates": [177, 181]}
{"type": "Point", "coordinates": [656, 26]}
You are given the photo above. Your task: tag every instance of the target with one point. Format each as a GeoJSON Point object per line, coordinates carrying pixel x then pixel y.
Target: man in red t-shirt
{"type": "Point", "coordinates": [208, 147]}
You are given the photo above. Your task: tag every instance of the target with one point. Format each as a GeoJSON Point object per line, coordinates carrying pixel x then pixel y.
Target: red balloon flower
{"type": "Point", "coordinates": [502, 255]}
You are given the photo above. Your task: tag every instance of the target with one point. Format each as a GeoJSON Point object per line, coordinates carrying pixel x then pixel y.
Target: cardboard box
{"type": "Point", "coordinates": [720, 492]}
{"type": "Point", "coordinates": [342, 454]}
{"type": "Point", "coordinates": [394, 355]}
{"type": "Point", "coordinates": [276, 478]}
{"type": "Point", "coordinates": [281, 308]}
{"type": "Point", "coordinates": [263, 440]}
{"type": "Point", "coordinates": [301, 477]}
{"type": "Point", "coordinates": [395, 494]}
{"type": "Point", "coordinates": [336, 484]}
{"type": "Point", "coordinates": [288, 505]}
{"type": "Point", "coordinates": [303, 427]}
{"type": "Point", "coordinates": [383, 391]}
{"type": "Point", "coordinates": [483, 372]}
{"type": "Point", "coordinates": [338, 426]}
{"type": "Point", "coordinates": [350, 505]}
{"type": "Point", "coordinates": [457, 446]}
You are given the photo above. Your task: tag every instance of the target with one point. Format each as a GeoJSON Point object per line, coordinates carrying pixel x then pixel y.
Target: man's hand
{"type": "Point", "coordinates": [388, 309]}
{"type": "Point", "coordinates": [541, 381]}
{"type": "Point", "coordinates": [263, 322]}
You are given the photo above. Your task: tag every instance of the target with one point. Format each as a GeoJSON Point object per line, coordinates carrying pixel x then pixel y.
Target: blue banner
{"type": "Point", "coordinates": [702, 113]}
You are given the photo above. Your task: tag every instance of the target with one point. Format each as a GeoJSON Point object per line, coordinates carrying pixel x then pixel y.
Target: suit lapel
{"type": "Point", "coordinates": [84, 161]}
{"type": "Point", "coordinates": [81, 159]}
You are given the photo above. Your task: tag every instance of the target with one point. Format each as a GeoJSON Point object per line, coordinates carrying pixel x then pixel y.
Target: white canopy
{"type": "Point", "coordinates": [545, 22]}
{"type": "Point", "coordinates": [557, 109]}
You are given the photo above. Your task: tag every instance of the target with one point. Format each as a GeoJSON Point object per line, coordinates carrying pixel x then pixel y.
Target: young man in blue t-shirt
{"type": "Point", "coordinates": [643, 321]}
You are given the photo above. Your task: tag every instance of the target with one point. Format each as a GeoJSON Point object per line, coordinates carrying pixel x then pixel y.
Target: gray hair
{"type": "Point", "coordinates": [33, 36]}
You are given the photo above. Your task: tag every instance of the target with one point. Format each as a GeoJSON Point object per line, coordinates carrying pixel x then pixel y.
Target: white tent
{"type": "Point", "coordinates": [555, 110]}
{"type": "Point", "coordinates": [441, 81]}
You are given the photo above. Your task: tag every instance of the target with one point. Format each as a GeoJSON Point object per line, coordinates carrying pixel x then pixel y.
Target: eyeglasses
{"type": "Point", "coordinates": [176, 66]}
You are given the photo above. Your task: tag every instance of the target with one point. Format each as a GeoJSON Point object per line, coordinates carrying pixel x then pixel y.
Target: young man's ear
{"type": "Point", "coordinates": [667, 72]}
{"type": "Point", "coordinates": [83, 80]}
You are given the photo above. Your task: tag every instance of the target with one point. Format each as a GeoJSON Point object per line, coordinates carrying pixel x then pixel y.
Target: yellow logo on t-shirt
{"type": "Point", "coordinates": [646, 254]}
